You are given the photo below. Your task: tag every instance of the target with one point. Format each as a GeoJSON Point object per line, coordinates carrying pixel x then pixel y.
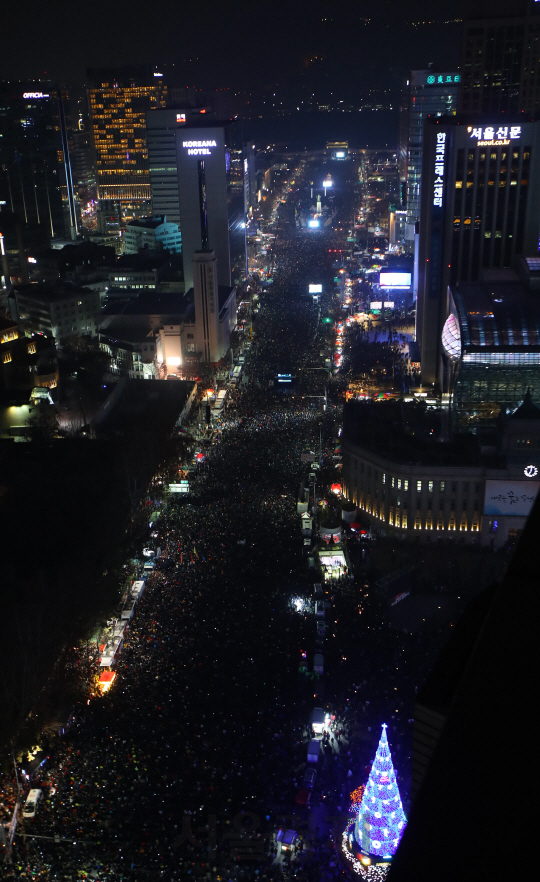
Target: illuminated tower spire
{"type": "Point", "coordinates": [381, 819]}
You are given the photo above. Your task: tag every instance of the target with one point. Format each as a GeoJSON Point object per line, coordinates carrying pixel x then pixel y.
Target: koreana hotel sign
{"type": "Point", "coordinates": [198, 148]}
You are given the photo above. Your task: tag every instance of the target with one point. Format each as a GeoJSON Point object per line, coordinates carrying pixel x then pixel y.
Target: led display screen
{"type": "Point", "coordinates": [395, 280]}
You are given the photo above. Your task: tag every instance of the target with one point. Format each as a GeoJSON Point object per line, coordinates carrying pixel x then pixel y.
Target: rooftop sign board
{"type": "Point", "coordinates": [442, 79]}
{"type": "Point", "coordinates": [492, 136]}
{"type": "Point", "coordinates": [199, 148]}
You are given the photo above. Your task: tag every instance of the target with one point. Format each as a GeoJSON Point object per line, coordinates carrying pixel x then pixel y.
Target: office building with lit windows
{"type": "Point", "coordinates": [161, 131]}
{"type": "Point", "coordinates": [500, 57]}
{"type": "Point", "coordinates": [118, 101]}
{"type": "Point", "coordinates": [479, 212]}
{"type": "Point", "coordinates": [420, 488]}
{"type": "Point", "coordinates": [59, 309]}
{"type": "Point", "coordinates": [36, 184]}
{"type": "Point", "coordinates": [188, 167]}
{"type": "Point", "coordinates": [429, 93]}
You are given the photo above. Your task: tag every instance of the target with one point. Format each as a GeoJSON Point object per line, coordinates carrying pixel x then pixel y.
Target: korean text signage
{"type": "Point", "coordinates": [198, 148]}
{"type": "Point", "coordinates": [438, 181]}
{"type": "Point", "coordinates": [489, 136]}
{"type": "Point", "coordinates": [436, 227]}
{"type": "Point", "coordinates": [510, 497]}
{"type": "Point", "coordinates": [442, 79]}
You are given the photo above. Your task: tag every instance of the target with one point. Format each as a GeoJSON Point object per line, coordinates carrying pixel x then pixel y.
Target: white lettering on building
{"type": "Point", "coordinates": [438, 183]}
{"type": "Point", "coordinates": [489, 136]}
{"type": "Point", "coordinates": [198, 148]}
{"type": "Point", "coordinates": [35, 95]}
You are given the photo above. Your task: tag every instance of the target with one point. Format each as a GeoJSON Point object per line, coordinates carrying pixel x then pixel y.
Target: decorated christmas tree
{"type": "Point", "coordinates": [381, 819]}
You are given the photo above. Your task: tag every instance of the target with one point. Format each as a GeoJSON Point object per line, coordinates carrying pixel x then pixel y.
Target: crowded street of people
{"type": "Point", "coordinates": [190, 765]}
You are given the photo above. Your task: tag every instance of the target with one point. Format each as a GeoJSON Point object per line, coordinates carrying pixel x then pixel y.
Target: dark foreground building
{"type": "Point", "coordinates": [473, 817]}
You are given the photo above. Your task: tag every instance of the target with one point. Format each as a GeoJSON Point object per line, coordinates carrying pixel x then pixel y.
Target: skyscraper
{"type": "Point", "coordinates": [35, 180]}
{"type": "Point", "coordinates": [161, 130]}
{"type": "Point", "coordinates": [500, 57]}
{"type": "Point", "coordinates": [189, 182]}
{"type": "Point", "coordinates": [480, 192]}
{"type": "Point", "coordinates": [119, 99]}
{"type": "Point", "coordinates": [429, 94]}
{"type": "Point", "coordinates": [202, 188]}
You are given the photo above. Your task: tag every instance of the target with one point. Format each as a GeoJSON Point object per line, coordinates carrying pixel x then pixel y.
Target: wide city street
{"type": "Point", "coordinates": [191, 763]}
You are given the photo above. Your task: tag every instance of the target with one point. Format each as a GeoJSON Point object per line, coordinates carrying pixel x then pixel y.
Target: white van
{"type": "Point", "coordinates": [31, 804]}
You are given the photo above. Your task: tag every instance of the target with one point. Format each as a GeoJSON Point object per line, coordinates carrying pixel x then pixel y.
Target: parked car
{"type": "Point", "coordinates": [309, 778]}
{"type": "Point", "coordinates": [31, 804]}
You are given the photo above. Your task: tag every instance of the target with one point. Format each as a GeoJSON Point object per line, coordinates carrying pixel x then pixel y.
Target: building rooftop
{"type": "Point", "coordinates": [143, 262]}
{"type": "Point", "coordinates": [501, 316]}
{"type": "Point", "coordinates": [408, 434]}
{"type": "Point", "coordinates": [49, 292]}
{"type": "Point", "coordinates": [149, 303]}
{"type": "Point", "coordinates": [7, 324]}
{"type": "Point", "coordinates": [527, 410]}
{"type": "Point", "coordinates": [149, 223]}
{"type": "Point", "coordinates": [135, 406]}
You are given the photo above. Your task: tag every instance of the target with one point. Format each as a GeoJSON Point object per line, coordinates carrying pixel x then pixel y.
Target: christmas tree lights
{"type": "Point", "coordinates": [381, 820]}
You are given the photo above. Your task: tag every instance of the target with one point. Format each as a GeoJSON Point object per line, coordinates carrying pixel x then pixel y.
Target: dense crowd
{"type": "Point", "coordinates": [189, 765]}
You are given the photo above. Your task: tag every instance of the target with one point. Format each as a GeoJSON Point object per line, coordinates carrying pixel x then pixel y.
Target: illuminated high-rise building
{"type": "Point", "coordinates": [36, 184]}
{"type": "Point", "coordinates": [480, 192]}
{"type": "Point", "coordinates": [188, 165]}
{"type": "Point", "coordinates": [429, 94]}
{"type": "Point", "coordinates": [119, 99]}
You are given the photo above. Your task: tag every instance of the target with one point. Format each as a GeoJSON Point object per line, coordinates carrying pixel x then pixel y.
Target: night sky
{"type": "Point", "coordinates": [238, 44]}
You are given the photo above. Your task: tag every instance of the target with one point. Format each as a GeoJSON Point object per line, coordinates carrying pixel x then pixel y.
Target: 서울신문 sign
{"type": "Point", "coordinates": [490, 136]}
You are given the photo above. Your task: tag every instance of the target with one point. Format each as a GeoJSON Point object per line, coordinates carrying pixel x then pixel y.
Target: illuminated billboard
{"type": "Point", "coordinates": [395, 280]}
{"type": "Point", "coordinates": [377, 304]}
{"type": "Point", "coordinates": [182, 487]}
{"type": "Point", "coordinates": [315, 289]}
{"type": "Point", "coordinates": [510, 497]}
{"type": "Point", "coordinates": [492, 136]}
{"type": "Point", "coordinates": [340, 154]}
{"type": "Point", "coordinates": [314, 224]}
{"type": "Point", "coordinates": [199, 148]}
